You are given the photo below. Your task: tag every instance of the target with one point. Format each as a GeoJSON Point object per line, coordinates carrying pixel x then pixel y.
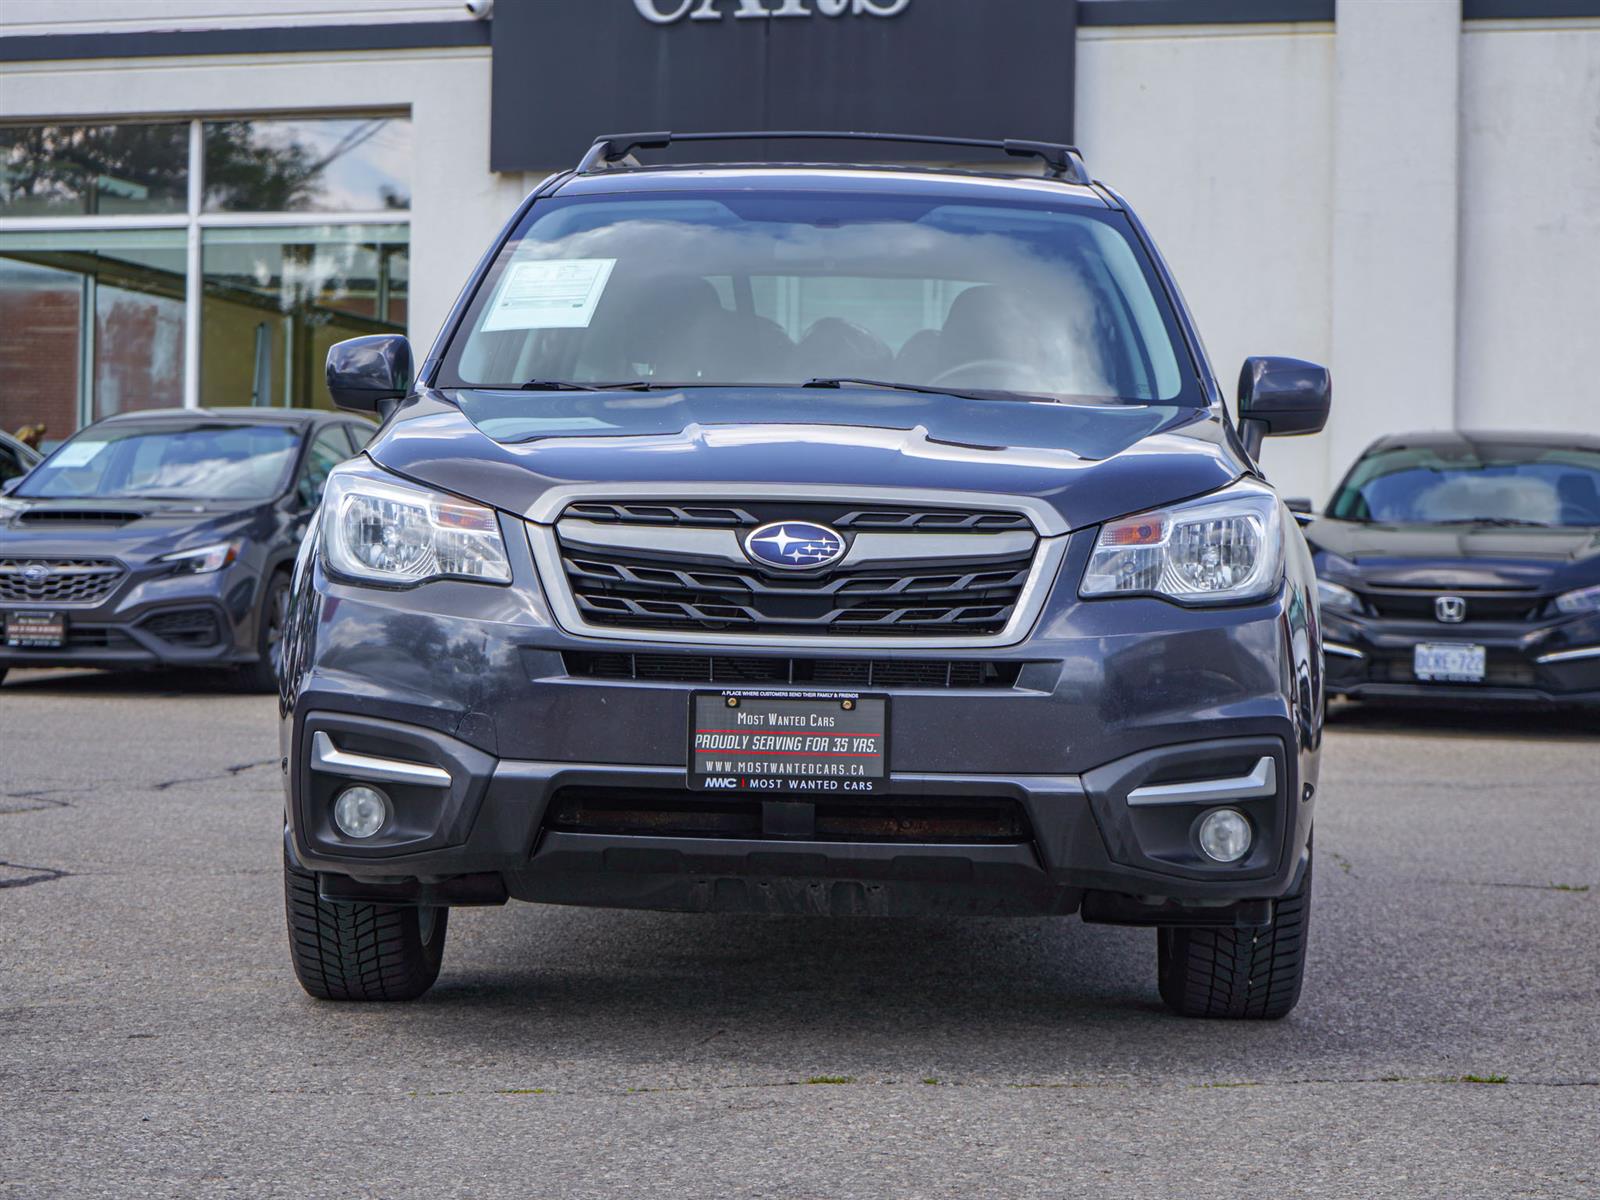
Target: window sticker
{"type": "Point", "coordinates": [78, 454]}
{"type": "Point", "coordinates": [552, 293]}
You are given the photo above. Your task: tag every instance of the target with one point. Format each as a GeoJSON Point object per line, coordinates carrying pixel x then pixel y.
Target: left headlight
{"type": "Point", "coordinates": [202, 560]}
{"type": "Point", "coordinates": [390, 532]}
{"type": "Point", "coordinates": [1225, 548]}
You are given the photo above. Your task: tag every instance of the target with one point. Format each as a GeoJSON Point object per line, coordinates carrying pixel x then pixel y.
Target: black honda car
{"type": "Point", "coordinates": [1464, 566]}
{"type": "Point", "coordinates": [164, 538]}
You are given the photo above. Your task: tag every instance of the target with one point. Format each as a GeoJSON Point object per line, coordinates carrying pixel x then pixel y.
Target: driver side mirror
{"type": "Point", "coordinates": [1281, 397]}
{"type": "Point", "coordinates": [369, 374]}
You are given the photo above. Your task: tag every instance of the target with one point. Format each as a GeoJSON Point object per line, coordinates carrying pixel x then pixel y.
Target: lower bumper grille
{"type": "Point", "coordinates": [194, 627]}
{"type": "Point", "coordinates": [736, 670]}
{"type": "Point", "coordinates": [665, 813]}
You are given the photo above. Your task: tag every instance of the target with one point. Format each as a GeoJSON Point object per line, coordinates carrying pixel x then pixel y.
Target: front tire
{"type": "Point", "coordinates": [360, 951]}
{"type": "Point", "coordinates": [1244, 974]}
{"type": "Point", "coordinates": [262, 675]}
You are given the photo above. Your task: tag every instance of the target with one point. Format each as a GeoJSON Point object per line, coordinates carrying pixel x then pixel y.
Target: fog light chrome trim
{"type": "Point", "coordinates": [1262, 781]}
{"type": "Point", "coordinates": [328, 758]}
{"type": "Point", "coordinates": [1569, 655]}
{"type": "Point", "coordinates": [1339, 650]}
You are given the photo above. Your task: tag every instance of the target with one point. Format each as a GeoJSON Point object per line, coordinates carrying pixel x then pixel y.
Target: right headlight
{"type": "Point", "coordinates": [1225, 548]}
{"type": "Point", "coordinates": [386, 531]}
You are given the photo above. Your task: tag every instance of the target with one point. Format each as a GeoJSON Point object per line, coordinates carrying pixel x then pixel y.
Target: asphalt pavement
{"type": "Point", "coordinates": [153, 1041]}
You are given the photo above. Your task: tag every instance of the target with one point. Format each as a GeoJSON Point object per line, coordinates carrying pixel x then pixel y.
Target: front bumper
{"type": "Point", "coordinates": [1103, 698]}
{"type": "Point", "coordinates": [1550, 662]}
{"type": "Point", "coordinates": [153, 620]}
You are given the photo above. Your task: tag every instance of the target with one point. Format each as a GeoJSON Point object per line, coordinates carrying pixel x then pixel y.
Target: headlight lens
{"type": "Point", "coordinates": [1583, 600]}
{"type": "Point", "coordinates": [1224, 548]}
{"type": "Point", "coordinates": [386, 531]}
{"type": "Point", "coordinates": [1337, 596]}
{"type": "Point", "coordinates": [202, 560]}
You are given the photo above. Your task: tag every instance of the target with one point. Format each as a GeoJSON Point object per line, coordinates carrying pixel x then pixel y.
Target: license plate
{"type": "Point", "coordinates": [788, 742]}
{"type": "Point", "coordinates": [1455, 662]}
{"type": "Point", "coordinates": [36, 630]}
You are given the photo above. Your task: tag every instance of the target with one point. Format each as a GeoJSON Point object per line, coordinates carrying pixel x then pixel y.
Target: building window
{"type": "Point", "coordinates": [156, 264]}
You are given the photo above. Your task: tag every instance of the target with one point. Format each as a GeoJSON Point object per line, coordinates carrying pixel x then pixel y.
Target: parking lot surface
{"type": "Point", "coordinates": [153, 1041]}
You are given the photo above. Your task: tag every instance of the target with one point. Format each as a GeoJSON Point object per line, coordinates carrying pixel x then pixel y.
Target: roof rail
{"type": "Point", "coordinates": [616, 149]}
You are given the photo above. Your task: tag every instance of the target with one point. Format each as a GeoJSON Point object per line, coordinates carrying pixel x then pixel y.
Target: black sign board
{"type": "Point", "coordinates": [566, 71]}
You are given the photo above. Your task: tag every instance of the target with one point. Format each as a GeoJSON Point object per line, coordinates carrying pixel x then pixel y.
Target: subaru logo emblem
{"type": "Point", "coordinates": [1452, 610]}
{"type": "Point", "coordinates": [794, 546]}
{"type": "Point", "coordinates": [35, 573]}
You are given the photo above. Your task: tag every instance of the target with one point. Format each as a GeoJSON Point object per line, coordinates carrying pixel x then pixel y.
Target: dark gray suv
{"type": "Point", "coordinates": [809, 538]}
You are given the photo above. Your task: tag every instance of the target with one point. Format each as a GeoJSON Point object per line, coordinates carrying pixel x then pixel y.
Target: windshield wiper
{"type": "Point", "coordinates": [1499, 521]}
{"type": "Point", "coordinates": [887, 385]}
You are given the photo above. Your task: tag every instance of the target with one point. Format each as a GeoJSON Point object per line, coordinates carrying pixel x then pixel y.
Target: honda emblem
{"type": "Point", "coordinates": [1452, 610]}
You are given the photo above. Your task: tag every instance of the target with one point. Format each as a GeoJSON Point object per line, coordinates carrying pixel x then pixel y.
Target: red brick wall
{"type": "Point", "coordinates": [39, 359]}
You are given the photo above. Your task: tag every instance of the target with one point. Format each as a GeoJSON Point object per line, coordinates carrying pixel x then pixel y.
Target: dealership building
{"type": "Point", "coordinates": [198, 197]}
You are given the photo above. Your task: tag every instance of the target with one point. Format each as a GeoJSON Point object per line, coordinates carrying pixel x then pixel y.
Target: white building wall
{"type": "Point", "coordinates": [132, 16]}
{"type": "Point", "coordinates": [1220, 138]}
{"type": "Point", "coordinates": [457, 203]}
{"type": "Point", "coordinates": [1529, 343]}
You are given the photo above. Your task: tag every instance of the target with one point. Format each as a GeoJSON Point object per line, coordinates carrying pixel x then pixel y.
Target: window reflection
{"type": "Point", "coordinates": [277, 299]}
{"type": "Point", "coordinates": [103, 307]}
{"type": "Point", "coordinates": [66, 170]}
{"type": "Point", "coordinates": [359, 165]}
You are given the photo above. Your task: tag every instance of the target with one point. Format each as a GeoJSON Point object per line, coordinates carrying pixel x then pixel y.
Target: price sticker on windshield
{"type": "Point", "coordinates": [555, 293]}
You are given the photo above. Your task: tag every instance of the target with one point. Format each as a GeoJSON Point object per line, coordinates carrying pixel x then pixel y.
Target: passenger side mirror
{"type": "Point", "coordinates": [1281, 397]}
{"type": "Point", "coordinates": [369, 374]}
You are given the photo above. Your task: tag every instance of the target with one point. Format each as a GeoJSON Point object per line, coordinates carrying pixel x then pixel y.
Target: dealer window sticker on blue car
{"type": "Point", "coordinates": [77, 454]}
{"type": "Point", "coordinates": [552, 293]}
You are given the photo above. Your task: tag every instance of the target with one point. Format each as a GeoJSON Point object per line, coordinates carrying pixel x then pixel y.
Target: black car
{"type": "Point", "coordinates": [164, 538]}
{"type": "Point", "coordinates": [1464, 566]}
{"type": "Point", "coordinates": [809, 539]}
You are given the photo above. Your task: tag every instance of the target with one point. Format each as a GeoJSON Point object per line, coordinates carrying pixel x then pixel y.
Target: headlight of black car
{"type": "Point", "coordinates": [387, 531]}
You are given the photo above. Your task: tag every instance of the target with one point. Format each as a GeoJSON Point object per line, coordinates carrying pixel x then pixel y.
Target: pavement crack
{"type": "Point", "coordinates": [31, 875]}
{"type": "Point", "coordinates": [1578, 888]}
{"type": "Point", "coordinates": [34, 800]}
{"type": "Point", "coordinates": [225, 773]}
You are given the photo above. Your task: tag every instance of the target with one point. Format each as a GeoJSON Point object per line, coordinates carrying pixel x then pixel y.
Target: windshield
{"type": "Point", "coordinates": [751, 288]}
{"type": "Point", "coordinates": [189, 462]}
{"type": "Point", "coordinates": [1473, 485]}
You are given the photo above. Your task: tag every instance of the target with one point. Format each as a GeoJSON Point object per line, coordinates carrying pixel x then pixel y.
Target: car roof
{"type": "Point", "coordinates": [233, 415]}
{"type": "Point", "coordinates": [1462, 439]}
{"type": "Point", "coordinates": [924, 182]}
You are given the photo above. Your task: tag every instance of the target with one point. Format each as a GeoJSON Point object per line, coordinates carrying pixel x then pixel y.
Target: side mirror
{"type": "Point", "coordinates": [1281, 397]}
{"type": "Point", "coordinates": [369, 374]}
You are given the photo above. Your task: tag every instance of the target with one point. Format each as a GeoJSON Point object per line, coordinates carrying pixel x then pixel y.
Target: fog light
{"type": "Point", "coordinates": [360, 812]}
{"type": "Point", "coordinates": [1225, 835]}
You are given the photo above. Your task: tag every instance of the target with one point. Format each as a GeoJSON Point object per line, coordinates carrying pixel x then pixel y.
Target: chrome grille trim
{"type": "Point", "coordinates": [726, 545]}
{"type": "Point", "coordinates": [551, 550]}
{"type": "Point", "coordinates": [1046, 520]}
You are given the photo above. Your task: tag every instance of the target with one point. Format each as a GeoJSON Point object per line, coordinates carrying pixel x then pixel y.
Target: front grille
{"type": "Point", "coordinates": [66, 581]}
{"type": "Point", "coordinates": [185, 627]}
{"type": "Point", "coordinates": [625, 570]}
{"type": "Point", "coordinates": [735, 670]}
{"type": "Point", "coordinates": [664, 812]}
{"type": "Point", "coordinates": [1414, 605]}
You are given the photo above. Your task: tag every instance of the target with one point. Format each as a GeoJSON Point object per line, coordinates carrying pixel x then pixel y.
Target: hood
{"type": "Point", "coordinates": [1090, 463]}
{"type": "Point", "coordinates": [115, 528]}
{"type": "Point", "coordinates": [1456, 555]}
